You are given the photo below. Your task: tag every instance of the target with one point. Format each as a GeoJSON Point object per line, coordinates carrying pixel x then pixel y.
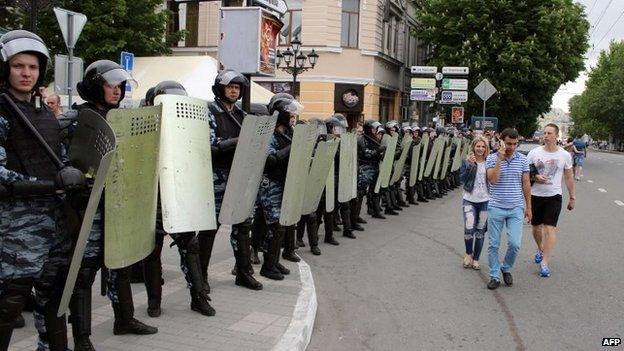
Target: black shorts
{"type": "Point", "coordinates": [546, 210]}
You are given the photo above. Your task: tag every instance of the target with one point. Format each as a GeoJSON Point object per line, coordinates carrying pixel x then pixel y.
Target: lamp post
{"type": "Point", "coordinates": [293, 60]}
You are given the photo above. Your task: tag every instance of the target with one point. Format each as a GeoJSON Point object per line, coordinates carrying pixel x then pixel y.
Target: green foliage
{"type": "Point", "coordinates": [599, 110]}
{"type": "Point", "coordinates": [11, 17]}
{"type": "Point", "coordinates": [526, 48]}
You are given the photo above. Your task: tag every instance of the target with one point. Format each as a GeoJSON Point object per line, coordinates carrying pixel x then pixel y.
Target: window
{"type": "Point", "coordinates": [350, 23]}
{"type": "Point", "coordinates": [292, 22]}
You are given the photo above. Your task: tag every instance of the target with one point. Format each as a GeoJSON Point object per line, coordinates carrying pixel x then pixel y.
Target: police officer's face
{"type": "Point", "coordinates": [112, 93]}
{"type": "Point", "coordinates": [24, 72]}
{"type": "Point", "coordinates": [232, 92]}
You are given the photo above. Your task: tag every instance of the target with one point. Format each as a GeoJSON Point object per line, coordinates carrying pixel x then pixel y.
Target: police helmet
{"type": "Point", "coordinates": [96, 75]}
{"type": "Point", "coordinates": [342, 119]}
{"type": "Point", "coordinates": [335, 126]}
{"type": "Point", "coordinates": [440, 131]}
{"type": "Point", "coordinates": [371, 127]}
{"type": "Point", "coordinates": [226, 77]}
{"type": "Point", "coordinates": [286, 106]}
{"type": "Point", "coordinates": [392, 125]}
{"type": "Point", "coordinates": [22, 42]}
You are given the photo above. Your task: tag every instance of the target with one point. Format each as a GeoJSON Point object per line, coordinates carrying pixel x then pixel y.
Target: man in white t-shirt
{"type": "Point", "coordinates": [549, 163]}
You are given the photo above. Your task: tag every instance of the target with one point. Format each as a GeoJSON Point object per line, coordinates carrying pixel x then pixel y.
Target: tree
{"type": "Point", "coordinates": [599, 111]}
{"type": "Point", "coordinates": [526, 48]}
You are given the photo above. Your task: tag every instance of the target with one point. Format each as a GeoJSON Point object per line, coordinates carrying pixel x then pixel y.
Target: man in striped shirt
{"type": "Point", "coordinates": [510, 201]}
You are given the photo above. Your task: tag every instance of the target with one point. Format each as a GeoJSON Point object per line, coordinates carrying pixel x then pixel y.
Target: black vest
{"type": "Point", "coordinates": [24, 154]}
{"type": "Point", "coordinates": [226, 129]}
{"type": "Point", "coordinates": [278, 173]}
{"type": "Point", "coordinates": [365, 145]}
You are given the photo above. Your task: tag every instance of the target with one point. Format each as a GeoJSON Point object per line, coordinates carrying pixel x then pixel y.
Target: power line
{"type": "Point", "coordinates": [608, 31]}
{"type": "Point", "coordinates": [600, 18]}
{"type": "Point", "coordinates": [592, 8]}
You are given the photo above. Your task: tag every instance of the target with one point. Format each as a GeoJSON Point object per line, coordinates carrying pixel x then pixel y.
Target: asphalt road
{"type": "Point", "coordinates": [401, 286]}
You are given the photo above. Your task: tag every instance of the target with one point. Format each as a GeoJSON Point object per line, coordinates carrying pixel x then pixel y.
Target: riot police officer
{"type": "Point", "coordinates": [370, 154]}
{"type": "Point", "coordinates": [225, 125]}
{"type": "Point", "coordinates": [33, 230]}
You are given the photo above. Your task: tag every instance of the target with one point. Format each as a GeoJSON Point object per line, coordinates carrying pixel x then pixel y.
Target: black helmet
{"type": "Point", "coordinates": [286, 106]}
{"type": "Point", "coordinates": [170, 87]}
{"type": "Point", "coordinates": [371, 126]}
{"type": "Point", "coordinates": [226, 77]}
{"type": "Point", "coordinates": [334, 124]}
{"type": "Point", "coordinates": [440, 131]}
{"type": "Point", "coordinates": [98, 73]}
{"type": "Point", "coordinates": [149, 97]}
{"type": "Point", "coordinates": [342, 120]}
{"type": "Point", "coordinates": [22, 42]}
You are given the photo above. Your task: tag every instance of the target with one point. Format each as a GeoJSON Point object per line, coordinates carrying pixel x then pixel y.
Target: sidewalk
{"type": "Point", "coordinates": [279, 317]}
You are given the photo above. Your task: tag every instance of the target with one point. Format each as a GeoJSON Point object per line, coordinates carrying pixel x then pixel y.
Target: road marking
{"type": "Point", "coordinates": [619, 203]}
{"type": "Point", "coordinates": [590, 181]}
{"type": "Point", "coordinates": [602, 190]}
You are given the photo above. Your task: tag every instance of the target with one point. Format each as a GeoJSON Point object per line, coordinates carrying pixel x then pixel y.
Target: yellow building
{"type": "Point", "coordinates": [365, 51]}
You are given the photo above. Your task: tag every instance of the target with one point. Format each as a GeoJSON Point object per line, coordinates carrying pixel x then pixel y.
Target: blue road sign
{"type": "Point", "coordinates": [127, 62]}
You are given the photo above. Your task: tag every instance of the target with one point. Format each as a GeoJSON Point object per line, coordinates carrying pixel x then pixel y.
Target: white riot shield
{"type": "Point", "coordinates": [345, 171]}
{"type": "Point", "coordinates": [399, 165]}
{"type": "Point", "coordinates": [457, 157]}
{"type": "Point", "coordinates": [132, 186]}
{"type": "Point", "coordinates": [441, 156]}
{"type": "Point", "coordinates": [330, 188]}
{"type": "Point", "coordinates": [415, 164]}
{"type": "Point", "coordinates": [423, 156]}
{"type": "Point", "coordinates": [355, 167]}
{"type": "Point", "coordinates": [385, 166]}
{"type": "Point", "coordinates": [297, 172]}
{"type": "Point", "coordinates": [447, 159]}
{"type": "Point", "coordinates": [321, 166]}
{"type": "Point", "coordinates": [93, 146]}
{"type": "Point", "coordinates": [186, 192]}
{"type": "Point", "coordinates": [433, 157]}
{"type": "Point", "coordinates": [247, 167]}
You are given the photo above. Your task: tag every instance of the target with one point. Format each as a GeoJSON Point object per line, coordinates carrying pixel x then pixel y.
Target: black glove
{"type": "Point", "coordinates": [228, 144]}
{"type": "Point", "coordinates": [283, 153]}
{"type": "Point", "coordinates": [24, 188]}
{"type": "Point", "coordinates": [71, 179]}
{"type": "Point", "coordinates": [382, 149]}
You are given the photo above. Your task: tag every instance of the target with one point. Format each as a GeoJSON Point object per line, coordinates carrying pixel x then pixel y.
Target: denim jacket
{"type": "Point", "coordinates": [467, 174]}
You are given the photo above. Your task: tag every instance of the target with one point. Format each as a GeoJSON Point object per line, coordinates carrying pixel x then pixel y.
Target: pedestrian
{"type": "Point", "coordinates": [552, 163]}
{"type": "Point", "coordinates": [475, 201]}
{"type": "Point", "coordinates": [579, 156]}
{"type": "Point", "coordinates": [54, 103]}
{"type": "Point", "coordinates": [571, 149]}
{"type": "Point", "coordinates": [510, 201]}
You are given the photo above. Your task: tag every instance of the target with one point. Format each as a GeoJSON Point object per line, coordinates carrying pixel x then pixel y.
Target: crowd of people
{"type": "Point", "coordinates": [43, 196]}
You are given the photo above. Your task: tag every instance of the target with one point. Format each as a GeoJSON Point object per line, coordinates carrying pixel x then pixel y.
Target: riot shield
{"type": "Point", "coordinates": [399, 165]}
{"type": "Point", "coordinates": [385, 167]}
{"type": "Point", "coordinates": [415, 164]}
{"type": "Point", "coordinates": [91, 151]}
{"type": "Point", "coordinates": [321, 165]}
{"type": "Point", "coordinates": [297, 172]}
{"type": "Point", "coordinates": [186, 192]}
{"type": "Point", "coordinates": [446, 159]}
{"type": "Point", "coordinates": [345, 171]}
{"type": "Point", "coordinates": [457, 157]}
{"type": "Point", "coordinates": [433, 157]}
{"type": "Point", "coordinates": [466, 147]}
{"type": "Point", "coordinates": [247, 167]}
{"type": "Point", "coordinates": [330, 185]}
{"type": "Point", "coordinates": [132, 186]}
{"type": "Point", "coordinates": [423, 157]}
{"type": "Point", "coordinates": [355, 167]}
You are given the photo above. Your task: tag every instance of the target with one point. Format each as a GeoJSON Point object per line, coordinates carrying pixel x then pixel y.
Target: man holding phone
{"type": "Point", "coordinates": [510, 201]}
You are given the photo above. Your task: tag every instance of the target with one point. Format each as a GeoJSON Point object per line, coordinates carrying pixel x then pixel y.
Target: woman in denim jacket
{"type": "Point", "coordinates": [475, 200]}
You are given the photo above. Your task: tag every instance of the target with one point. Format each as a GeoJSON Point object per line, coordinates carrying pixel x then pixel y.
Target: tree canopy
{"type": "Point", "coordinates": [526, 48]}
{"type": "Point", "coordinates": [599, 110]}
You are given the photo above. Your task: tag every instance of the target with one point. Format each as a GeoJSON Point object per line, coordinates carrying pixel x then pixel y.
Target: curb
{"type": "Point", "coordinates": [297, 335]}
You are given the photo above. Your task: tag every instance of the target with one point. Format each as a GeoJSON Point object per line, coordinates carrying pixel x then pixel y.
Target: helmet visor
{"type": "Point", "coordinates": [16, 46]}
{"type": "Point", "coordinates": [380, 129]}
{"type": "Point", "coordinates": [293, 107]}
{"type": "Point", "coordinates": [174, 91]}
{"type": "Point", "coordinates": [118, 75]}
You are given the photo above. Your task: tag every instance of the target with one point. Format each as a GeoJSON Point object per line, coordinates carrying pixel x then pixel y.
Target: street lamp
{"type": "Point", "coordinates": [293, 60]}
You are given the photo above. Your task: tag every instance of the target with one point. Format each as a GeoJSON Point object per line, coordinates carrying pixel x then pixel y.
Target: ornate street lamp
{"type": "Point", "coordinates": [293, 60]}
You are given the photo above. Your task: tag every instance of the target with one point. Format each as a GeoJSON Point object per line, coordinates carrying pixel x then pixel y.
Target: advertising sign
{"type": "Point", "coordinates": [269, 30]}
{"type": "Point", "coordinates": [457, 115]}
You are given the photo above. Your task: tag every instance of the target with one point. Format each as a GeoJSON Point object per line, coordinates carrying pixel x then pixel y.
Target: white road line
{"type": "Point", "coordinates": [590, 181]}
{"type": "Point", "coordinates": [619, 203]}
{"type": "Point", "coordinates": [602, 190]}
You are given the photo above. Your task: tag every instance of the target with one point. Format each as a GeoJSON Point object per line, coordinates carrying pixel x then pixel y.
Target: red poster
{"type": "Point", "coordinates": [269, 30]}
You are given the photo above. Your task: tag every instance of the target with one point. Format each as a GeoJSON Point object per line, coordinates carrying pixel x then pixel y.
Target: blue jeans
{"type": "Point", "coordinates": [512, 219]}
{"type": "Point", "coordinates": [475, 226]}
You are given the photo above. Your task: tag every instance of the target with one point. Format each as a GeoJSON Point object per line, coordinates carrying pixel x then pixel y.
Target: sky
{"type": "Point", "coordinates": [606, 18]}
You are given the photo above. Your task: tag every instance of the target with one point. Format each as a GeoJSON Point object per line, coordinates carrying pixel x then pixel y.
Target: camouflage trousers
{"type": "Point", "coordinates": [367, 175]}
{"type": "Point", "coordinates": [270, 196]}
{"type": "Point", "coordinates": [220, 177]}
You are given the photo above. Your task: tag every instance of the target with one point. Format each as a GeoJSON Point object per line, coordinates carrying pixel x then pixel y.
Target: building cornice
{"type": "Point", "coordinates": [329, 79]}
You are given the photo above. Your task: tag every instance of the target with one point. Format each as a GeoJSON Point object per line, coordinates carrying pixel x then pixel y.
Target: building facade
{"type": "Point", "coordinates": [365, 50]}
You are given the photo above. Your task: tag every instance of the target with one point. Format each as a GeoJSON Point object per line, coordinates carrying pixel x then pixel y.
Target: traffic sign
{"type": "Point", "coordinates": [424, 70]}
{"type": "Point", "coordinates": [61, 74]}
{"type": "Point", "coordinates": [485, 90]}
{"type": "Point", "coordinates": [423, 83]}
{"type": "Point", "coordinates": [455, 84]}
{"type": "Point", "coordinates": [127, 62]}
{"type": "Point", "coordinates": [453, 96]}
{"type": "Point", "coordinates": [422, 95]}
{"type": "Point", "coordinates": [455, 70]}
{"type": "Point", "coordinates": [71, 24]}
{"type": "Point", "coordinates": [482, 123]}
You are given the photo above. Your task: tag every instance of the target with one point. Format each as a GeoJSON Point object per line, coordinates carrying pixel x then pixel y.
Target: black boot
{"type": "Point", "coordinates": [152, 273]}
{"type": "Point", "coordinates": [420, 192]}
{"type": "Point", "coordinates": [312, 227]}
{"type": "Point", "coordinates": [409, 194]}
{"type": "Point", "coordinates": [243, 276]}
{"type": "Point", "coordinates": [80, 309]}
{"type": "Point", "coordinates": [289, 245]}
{"type": "Point", "coordinates": [56, 329]}
{"type": "Point", "coordinates": [360, 200]}
{"type": "Point", "coordinates": [269, 268]}
{"type": "Point", "coordinates": [12, 302]}
{"type": "Point", "coordinates": [345, 213]}
{"type": "Point", "coordinates": [353, 210]}
{"type": "Point", "coordinates": [199, 291]}
{"type": "Point", "coordinates": [329, 229]}
{"type": "Point", "coordinates": [375, 200]}
{"type": "Point", "coordinates": [300, 232]}
{"type": "Point", "coordinates": [393, 200]}
{"type": "Point", "coordinates": [125, 323]}
{"type": "Point", "coordinates": [399, 197]}
{"type": "Point", "coordinates": [206, 240]}
{"type": "Point", "coordinates": [389, 208]}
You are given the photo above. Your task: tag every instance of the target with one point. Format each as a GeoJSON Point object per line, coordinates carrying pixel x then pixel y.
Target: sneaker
{"type": "Point", "coordinates": [507, 278]}
{"type": "Point", "coordinates": [493, 284]}
{"type": "Point", "coordinates": [544, 271]}
{"type": "Point", "coordinates": [539, 255]}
